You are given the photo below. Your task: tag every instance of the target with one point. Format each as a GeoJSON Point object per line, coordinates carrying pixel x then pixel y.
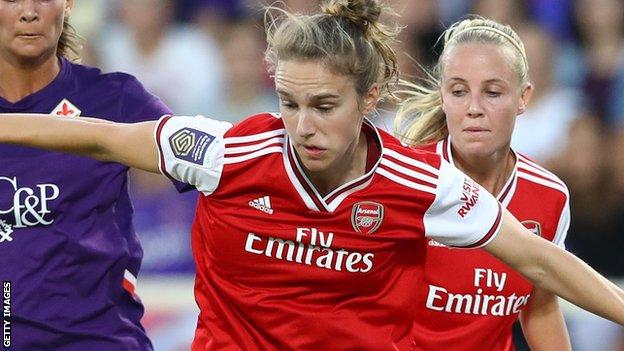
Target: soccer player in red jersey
{"type": "Point", "coordinates": [470, 299]}
{"type": "Point", "coordinates": [309, 232]}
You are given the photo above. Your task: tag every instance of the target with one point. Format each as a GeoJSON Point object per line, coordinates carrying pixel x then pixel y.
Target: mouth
{"type": "Point", "coordinates": [312, 151]}
{"type": "Point", "coordinates": [476, 130]}
{"type": "Point", "coordinates": [28, 35]}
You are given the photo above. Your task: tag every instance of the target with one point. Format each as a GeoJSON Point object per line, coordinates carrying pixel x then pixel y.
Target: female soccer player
{"type": "Point", "coordinates": [469, 299]}
{"type": "Point", "coordinates": [308, 234]}
{"type": "Point", "coordinates": [67, 243]}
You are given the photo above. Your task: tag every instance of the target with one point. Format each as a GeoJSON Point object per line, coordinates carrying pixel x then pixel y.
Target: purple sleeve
{"type": "Point", "coordinates": [139, 105]}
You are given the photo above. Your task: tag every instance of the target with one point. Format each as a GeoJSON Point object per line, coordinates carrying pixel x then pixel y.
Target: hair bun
{"type": "Point", "coordinates": [361, 12]}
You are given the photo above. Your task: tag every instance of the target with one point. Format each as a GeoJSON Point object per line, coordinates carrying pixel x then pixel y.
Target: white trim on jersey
{"type": "Point", "coordinates": [305, 196]}
{"type": "Point", "coordinates": [229, 150]}
{"type": "Point", "coordinates": [439, 147]}
{"type": "Point", "coordinates": [254, 137]}
{"type": "Point", "coordinates": [310, 195]}
{"type": "Point", "coordinates": [130, 278]}
{"type": "Point", "coordinates": [409, 172]}
{"type": "Point", "coordinates": [333, 205]}
{"type": "Point", "coordinates": [408, 183]}
{"type": "Point", "coordinates": [540, 180]}
{"type": "Point", "coordinates": [507, 192]}
{"type": "Point", "coordinates": [411, 161]}
{"type": "Point", "coordinates": [249, 156]}
{"type": "Point", "coordinates": [544, 177]}
{"type": "Point", "coordinates": [129, 284]}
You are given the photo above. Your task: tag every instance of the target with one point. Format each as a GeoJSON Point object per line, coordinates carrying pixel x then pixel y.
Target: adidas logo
{"type": "Point", "coordinates": [262, 203]}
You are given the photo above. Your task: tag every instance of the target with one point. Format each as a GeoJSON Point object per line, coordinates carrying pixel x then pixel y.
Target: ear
{"type": "Point", "coordinates": [69, 4]}
{"type": "Point", "coordinates": [370, 99]}
{"type": "Point", "coordinates": [525, 98]}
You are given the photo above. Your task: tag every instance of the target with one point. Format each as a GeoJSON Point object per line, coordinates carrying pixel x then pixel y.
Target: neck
{"type": "Point", "coordinates": [491, 171]}
{"type": "Point", "coordinates": [350, 166]}
{"type": "Point", "coordinates": [22, 79]}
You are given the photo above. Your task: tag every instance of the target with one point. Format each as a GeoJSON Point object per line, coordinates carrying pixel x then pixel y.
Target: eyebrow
{"type": "Point", "coordinates": [322, 96]}
{"type": "Point", "coordinates": [493, 80]}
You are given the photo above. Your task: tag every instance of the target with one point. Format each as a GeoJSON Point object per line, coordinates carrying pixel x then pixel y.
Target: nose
{"type": "Point", "coordinates": [305, 125]}
{"type": "Point", "coordinates": [475, 109]}
{"type": "Point", "coordinates": [29, 11]}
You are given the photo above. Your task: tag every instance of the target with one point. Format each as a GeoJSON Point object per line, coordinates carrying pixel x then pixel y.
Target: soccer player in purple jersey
{"type": "Point", "coordinates": [67, 244]}
{"type": "Point", "coordinates": [283, 238]}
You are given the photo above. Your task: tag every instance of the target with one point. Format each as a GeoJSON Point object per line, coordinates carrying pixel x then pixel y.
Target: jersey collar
{"type": "Point", "coordinates": [304, 186]}
{"type": "Point", "coordinates": [443, 148]}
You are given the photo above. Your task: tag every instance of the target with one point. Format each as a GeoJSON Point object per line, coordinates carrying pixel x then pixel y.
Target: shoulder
{"type": "Point", "coordinates": [261, 125]}
{"type": "Point", "coordinates": [112, 84]}
{"type": "Point", "coordinates": [410, 167]}
{"type": "Point", "coordinates": [539, 177]}
{"type": "Point", "coordinates": [93, 75]}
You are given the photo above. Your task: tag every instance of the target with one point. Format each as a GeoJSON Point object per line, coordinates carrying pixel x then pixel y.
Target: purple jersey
{"type": "Point", "coordinates": [67, 244]}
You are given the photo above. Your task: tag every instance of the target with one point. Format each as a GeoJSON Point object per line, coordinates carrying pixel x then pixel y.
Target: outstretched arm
{"type": "Point", "coordinates": [129, 144]}
{"type": "Point", "coordinates": [556, 270]}
{"type": "Point", "coordinates": [543, 324]}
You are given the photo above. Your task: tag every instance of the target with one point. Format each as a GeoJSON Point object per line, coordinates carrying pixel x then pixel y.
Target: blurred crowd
{"type": "Point", "coordinates": [206, 57]}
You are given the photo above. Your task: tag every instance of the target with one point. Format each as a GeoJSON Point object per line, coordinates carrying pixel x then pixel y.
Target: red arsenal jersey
{"type": "Point", "coordinates": [470, 299]}
{"type": "Point", "coordinates": [281, 267]}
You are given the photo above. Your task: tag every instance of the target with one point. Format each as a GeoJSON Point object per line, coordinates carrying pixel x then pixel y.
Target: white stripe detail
{"type": "Point", "coordinates": [267, 201]}
{"type": "Point", "coordinates": [261, 201]}
{"type": "Point", "coordinates": [409, 172]}
{"type": "Point", "coordinates": [533, 167]}
{"type": "Point", "coordinates": [261, 152]}
{"type": "Point", "coordinates": [295, 182]}
{"type": "Point", "coordinates": [254, 147]}
{"type": "Point", "coordinates": [411, 161]}
{"type": "Point", "coordinates": [332, 206]}
{"type": "Point", "coordinates": [512, 189]}
{"type": "Point", "coordinates": [439, 146]}
{"type": "Point", "coordinates": [405, 182]}
{"type": "Point", "coordinates": [542, 181]}
{"type": "Point", "coordinates": [130, 278]}
{"type": "Point", "coordinates": [254, 137]}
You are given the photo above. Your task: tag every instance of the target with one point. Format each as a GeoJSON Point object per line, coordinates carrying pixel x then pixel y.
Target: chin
{"type": "Point", "coordinates": [314, 165]}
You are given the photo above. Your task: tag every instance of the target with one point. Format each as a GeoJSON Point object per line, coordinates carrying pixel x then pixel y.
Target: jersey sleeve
{"type": "Point", "coordinates": [563, 225]}
{"type": "Point", "coordinates": [463, 214]}
{"type": "Point", "coordinates": [138, 105]}
{"type": "Point", "coordinates": [191, 150]}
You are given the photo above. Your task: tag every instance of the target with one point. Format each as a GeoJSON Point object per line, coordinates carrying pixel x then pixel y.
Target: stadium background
{"type": "Point", "coordinates": [205, 57]}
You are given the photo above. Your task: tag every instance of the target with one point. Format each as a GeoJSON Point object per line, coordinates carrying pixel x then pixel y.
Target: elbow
{"type": "Point", "coordinates": [542, 269]}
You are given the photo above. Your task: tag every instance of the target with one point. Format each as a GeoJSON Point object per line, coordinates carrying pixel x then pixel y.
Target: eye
{"type": "Point", "coordinates": [325, 108]}
{"type": "Point", "coordinates": [493, 94]}
{"type": "Point", "coordinates": [458, 92]}
{"type": "Point", "coordinates": [288, 105]}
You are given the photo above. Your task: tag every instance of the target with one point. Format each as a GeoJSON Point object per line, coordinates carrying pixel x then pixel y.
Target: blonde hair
{"type": "Point", "coordinates": [420, 119]}
{"type": "Point", "coordinates": [70, 44]}
{"type": "Point", "coordinates": [346, 36]}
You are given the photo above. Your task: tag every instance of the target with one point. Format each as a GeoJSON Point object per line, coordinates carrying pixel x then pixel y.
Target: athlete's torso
{"type": "Point", "coordinates": [470, 299]}
{"type": "Point", "coordinates": [283, 268]}
{"type": "Point", "coordinates": [68, 246]}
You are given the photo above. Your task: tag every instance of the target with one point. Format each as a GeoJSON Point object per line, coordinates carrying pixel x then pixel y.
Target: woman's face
{"type": "Point", "coordinates": [321, 113]}
{"type": "Point", "coordinates": [30, 29]}
{"type": "Point", "coordinates": [481, 97]}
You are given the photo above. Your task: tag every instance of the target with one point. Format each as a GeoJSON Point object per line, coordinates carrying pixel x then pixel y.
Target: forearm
{"type": "Point", "coordinates": [553, 269]}
{"type": "Point", "coordinates": [543, 324]}
{"type": "Point", "coordinates": [575, 281]}
{"type": "Point", "coordinates": [129, 144]}
{"type": "Point", "coordinates": [71, 135]}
